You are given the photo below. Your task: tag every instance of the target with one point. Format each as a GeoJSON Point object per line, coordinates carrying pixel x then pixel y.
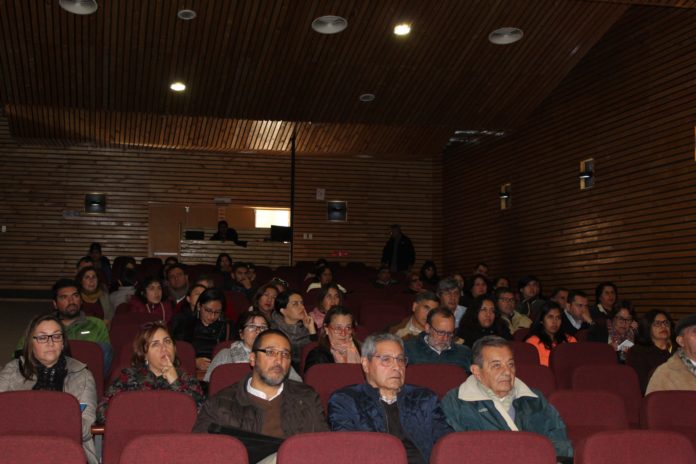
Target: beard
{"type": "Point", "coordinates": [273, 377]}
{"type": "Point", "coordinates": [70, 312]}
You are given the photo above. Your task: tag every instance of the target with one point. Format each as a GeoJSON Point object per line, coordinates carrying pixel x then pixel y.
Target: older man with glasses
{"type": "Point", "coordinates": [436, 345]}
{"type": "Point", "coordinates": [265, 407]}
{"type": "Point", "coordinates": [386, 404]}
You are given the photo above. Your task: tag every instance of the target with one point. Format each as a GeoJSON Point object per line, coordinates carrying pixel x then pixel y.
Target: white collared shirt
{"type": "Point", "coordinates": [572, 320]}
{"type": "Point", "coordinates": [262, 395]}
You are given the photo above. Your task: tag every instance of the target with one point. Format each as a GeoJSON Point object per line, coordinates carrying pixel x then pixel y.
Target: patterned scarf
{"type": "Point", "coordinates": [51, 378]}
{"type": "Point", "coordinates": [687, 362]}
{"type": "Point", "coordinates": [615, 337]}
{"type": "Point", "coordinates": [91, 297]}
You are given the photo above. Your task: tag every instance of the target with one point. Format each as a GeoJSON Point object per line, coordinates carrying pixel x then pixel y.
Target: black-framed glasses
{"type": "Point", "coordinates": [55, 338]}
{"type": "Point", "coordinates": [441, 333]}
{"type": "Point", "coordinates": [273, 353]}
{"type": "Point", "coordinates": [664, 323]}
{"type": "Point", "coordinates": [211, 311]}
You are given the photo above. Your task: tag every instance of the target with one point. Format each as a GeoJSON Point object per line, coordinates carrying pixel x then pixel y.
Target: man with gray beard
{"type": "Point", "coordinates": [265, 403]}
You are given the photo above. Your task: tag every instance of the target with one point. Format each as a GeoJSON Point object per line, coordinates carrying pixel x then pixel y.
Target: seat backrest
{"type": "Point", "coordinates": [520, 334]}
{"type": "Point", "coordinates": [91, 354]}
{"type": "Point", "coordinates": [635, 447]}
{"type": "Point", "coordinates": [587, 412]}
{"type": "Point", "coordinates": [237, 304]}
{"type": "Point", "coordinates": [342, 448]}
{"type": "Point", "coordinates": [537, 376]}
{"type": "Point", "coordinates": [25, 413]}
{"type": "Point", "coordinates": [225, 375]}
{"type": "Point", "coordinates": [568, 356]}
{"type": "Point", "coordinates": [200, 448]}
{"type": "Point", "coordinates": [135, 413]}
{"type": "Point", "coordinates": [221, 346]}
{"type": "Point", "coordinates": [615, 378]}
{"type": "Point", "coordinates": [327, 378]}
{"type": "Point", "coordinates": [21, 449]}
{"type": "Point", "coordinates": [439, 378]}
{"type": "Point", "coordinates": [305, 351]}
{"type": "Point", "coordinates": [524, 353]}
{"type": "Point", "coordinates": [493, 447]}
{"type": "Point", "coordinates": [378, 318]}
{"type": "Point", "coordinates": [670, 410]}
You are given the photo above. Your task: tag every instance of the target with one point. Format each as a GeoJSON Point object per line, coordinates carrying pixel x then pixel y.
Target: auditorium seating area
{"type": "Point", "coordinates": [598, 399]}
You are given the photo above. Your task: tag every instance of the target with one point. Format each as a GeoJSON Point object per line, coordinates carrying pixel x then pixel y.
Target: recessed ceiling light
{"type": "Point", "coordinates": [505, 35]}
{"type": "Point", "coordinates": [178, 86]}
{"type": "Point", "coordinates": [402, 29]}
{"type": "Point", "coordinates": [79, 7]}
{"type": "Point", "coordinates": [329, 24]}
{"type": "Point", "coordinates": [367, 97]}
{"type": "Point", "coordinates": [186, 15]}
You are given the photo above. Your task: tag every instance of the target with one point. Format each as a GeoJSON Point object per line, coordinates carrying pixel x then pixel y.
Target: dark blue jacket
{"type": "Point", "coordinates": [358, 408]}
{"type": "Point", "coordinates": [419, 352]}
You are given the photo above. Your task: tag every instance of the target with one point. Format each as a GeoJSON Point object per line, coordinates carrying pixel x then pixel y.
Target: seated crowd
{"type": "Point", "coordinates": [227, 317]}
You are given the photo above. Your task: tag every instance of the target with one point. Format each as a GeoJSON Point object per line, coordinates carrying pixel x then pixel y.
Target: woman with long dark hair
{"type": "Point", "coordinates": [654, 344]}
{"type": "Point", "coordinates": [337, 343]}
{"type": "Point", "coordinates": [481, 320]}
{"type": "Point", "coordinates": [547, 332]}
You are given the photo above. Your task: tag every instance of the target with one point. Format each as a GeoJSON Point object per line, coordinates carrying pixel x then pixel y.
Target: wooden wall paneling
{"type": "Point", "coordinates": [628, 105]}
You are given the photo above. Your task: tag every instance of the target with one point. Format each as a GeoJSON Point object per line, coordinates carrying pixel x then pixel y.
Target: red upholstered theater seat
{"type": "Point", "coordinates": [439, 378]}
{"type": "Point", "coordinates": [342, 448]}
{"type": "Point", "coordinates": [568, 356]}
{"type": "Point", "coordinates": [537, 376]}
{"type": "Point", "coordinates": [23, 449]}
{"type": "Point", "coordinates": [198, 448]}
{"type": "Point", "coordinates": [636, 447]}
{"type": "Point", "coordinates": [91, 354]}
{"type": "Point", "coordinates": [525, 353]}
{"type": "Point", "coordinates": [327, 378]}
{"type": "Point", "coordinates": [493, 448]}
{"type": "Point", "coordinates": [671, 410]}
{"type": "Point", "coordinates": [227, 374]}
{"type": "Point", "coordinates": [618, 379]}
{"type": "Point", "coordinates": [38, 412]}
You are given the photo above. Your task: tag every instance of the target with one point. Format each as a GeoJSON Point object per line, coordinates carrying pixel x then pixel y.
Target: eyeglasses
{"type": "Point", "coordinates": [341, 329]}
{"type": "Point", "coordinates": [255, 328]}
{"type": "Point", "coordinates": [55, 338]}
{"type": "Point", "coordinates": [211, 311]}
{"type": "Point", "coordinates": [387, 360]}
{"type": "Point", "coordinates": [664, 323]}
{"type": "Point", "coordinates": [166, 342]}
{"type": "Point", "coordinates": [625, 320]}
{"type": "Point", "coordinates": [273, 353]}
{"type": "Point", "coordinates": [508, 300]}
{"type": "Point", "coordinates": [441, 333]}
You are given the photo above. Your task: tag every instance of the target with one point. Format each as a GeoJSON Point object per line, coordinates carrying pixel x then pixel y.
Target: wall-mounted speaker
{"type": "Point", "coordinates": [337, 211]}
{"type": "Point", "coordinates": [95, 203]}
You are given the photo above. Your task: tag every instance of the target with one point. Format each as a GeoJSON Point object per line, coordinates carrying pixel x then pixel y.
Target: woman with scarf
{"type": "Point", "coordinates": [337, 343]}
{"type": "Point", "coordinates": [44, 365]}
{"type": "Point", "coordinates": [94, 293]}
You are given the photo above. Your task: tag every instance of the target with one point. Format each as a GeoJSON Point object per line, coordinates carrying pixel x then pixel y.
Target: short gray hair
{"type": "Point", "coordinates": [369, 346]}
{"type": "Point", "coordinates": [445, 285]}
{"type": "Point", "coordinates": [484, 342]}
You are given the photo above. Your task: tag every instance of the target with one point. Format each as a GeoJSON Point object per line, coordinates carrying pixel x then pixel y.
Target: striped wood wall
{"type": "Point", "coordinates": [41, 183]}
{"type": "Point", "coordinates": [630, 106]}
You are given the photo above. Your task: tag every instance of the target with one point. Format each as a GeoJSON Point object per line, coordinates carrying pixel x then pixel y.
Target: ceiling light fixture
{"type": "Point", "coordinates": [178, 86]}
{"type": "Point", "coordinates": [186, 14]}
{"type": "Point", "coordinates": [402, 29]}
{"type": "Point", "coordinates": [329, 24]}
{"type": "Point", "coordinates": [505, 35]}
{"type": "Point", "coordinates": [79, 7]}
{"type": "Point", "coordinates": [367, 97]}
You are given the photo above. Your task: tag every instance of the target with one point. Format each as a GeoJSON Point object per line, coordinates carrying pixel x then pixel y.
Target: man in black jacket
{"type": "Point", "coordinates": [398, 253]}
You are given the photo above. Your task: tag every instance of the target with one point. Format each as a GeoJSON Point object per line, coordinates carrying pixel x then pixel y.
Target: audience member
{"type": "Point", "coordinates": [560, 296]}
{"type": "Point", "coordinates": [94, 294]}
{"type": "Point", "coordinates": [148, 299]}
{"type": "Point", "coordinates": [435, 345]}
{"type": "Point", "coordinates": [384, 278]}
{"type": "Point", "coordinates": [505, 304]}
{"type": "Point", "coordinates": [126, 288]}
{"type": "Point", "coordinates": [324, 277]}
{"type": "Point", "coordinates": [337, 343]}
{"type": "Point", "coordinates": [606, 295]}
{"type": "Point", "coordinates": [240, 280]}
{"type": "Point", "coordinates": [280, 284]}
{"type": "Point", "coordinates": [618, 330]}
{"type": "Point", "coordinates": [548, 331]}
{"type": "Point", "coordinates": [576, 316]}
{"type": "Point", "coordinates": [266, 403]}
{"type": "Point", "coordinates": [679, 372]}
{"type": "Point", "coordinates": [448, 292]}
{"type": "Point", "coordinates": [328, 296]}
{"type": "Point", "coordinates": [494, 399]}
{"type": "Point", "coordinates": [654, 344]}
{"type": "Point", "coordinates": [100, 261]}
{"type": "Point", "coordinates": [226, 233]}
{"type": "Point", "coordinates": [531, 301]}
{"type": "Point", "coordinates": [501, 282]}
{"type": "Point", "coordinates": [44, 365]}
{"type": "Point", "coordinates": [177, 283]}
{"type": "Point", "coordinates": [154, 366]}
{"type": "Point", "coordinates": [385, 403]}
{"type": "Point", "coordinates": [412, 326]}
{"type": "Point", "coordinates": [398, 253]}
{"type": "Point", "coordinates": [264, 299]}
{"type": "Point", "coordinates": [223, 265]}
{"type": "Point", "coordinates": [85, 261]}
{"type": "Point", "coordinates": [476, 286]}
{"type": "Point", "coordinates": [414, 284]}
{"type": "Point", "coordinates": [480, 320]}
{"type": "Point", "coordinates": [428, 274]}
{"type": "Point", "coordinates": [291, 318]}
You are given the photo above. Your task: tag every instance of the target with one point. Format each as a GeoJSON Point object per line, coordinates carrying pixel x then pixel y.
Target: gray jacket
{"type": "Point", "coordinates": [79, 383]}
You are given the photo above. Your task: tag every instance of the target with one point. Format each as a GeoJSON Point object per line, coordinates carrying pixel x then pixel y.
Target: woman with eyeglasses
{"type": "Point", "coordinates": [44, 365]}
{"type": "Point", "coordinates": [481, 320]}
{"type": "Point", "coordinates": [654, 344]}
{"type": "Point", "coordinates": [547, 332]}
{"type": "Point", "coordinates": [154, 366]}
{"type": "Point", "coordinates": [206, 327]}
{"type": "Point", "coordinates": [337, 343]}
{"type": "Point", "coordinates": [251, 324]}
{"type": "Point", "coordinates": [619, 330]}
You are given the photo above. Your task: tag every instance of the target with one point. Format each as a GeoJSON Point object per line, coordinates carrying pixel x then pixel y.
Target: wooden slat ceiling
{"type": "Point", "coordinates": [255, 71]}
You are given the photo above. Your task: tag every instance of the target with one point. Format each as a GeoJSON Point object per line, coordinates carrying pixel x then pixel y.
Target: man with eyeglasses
{"type": "Point", "coordinates": [78, 326]}
{"type": "Point", "coordinates": [265, 406]}
{"type": "Point", "coordinates": [412, 326]}
{"type": "Point", "coordinates": [492, 398]}
{"type": "Point", "coordinates": [435, 344]}
{"type": "Point", "coordinates": [386, 404]}
{"type": "Point", "coordinates": [679, 372]}
{"type": "Point", "coordinates": [505, 303]}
